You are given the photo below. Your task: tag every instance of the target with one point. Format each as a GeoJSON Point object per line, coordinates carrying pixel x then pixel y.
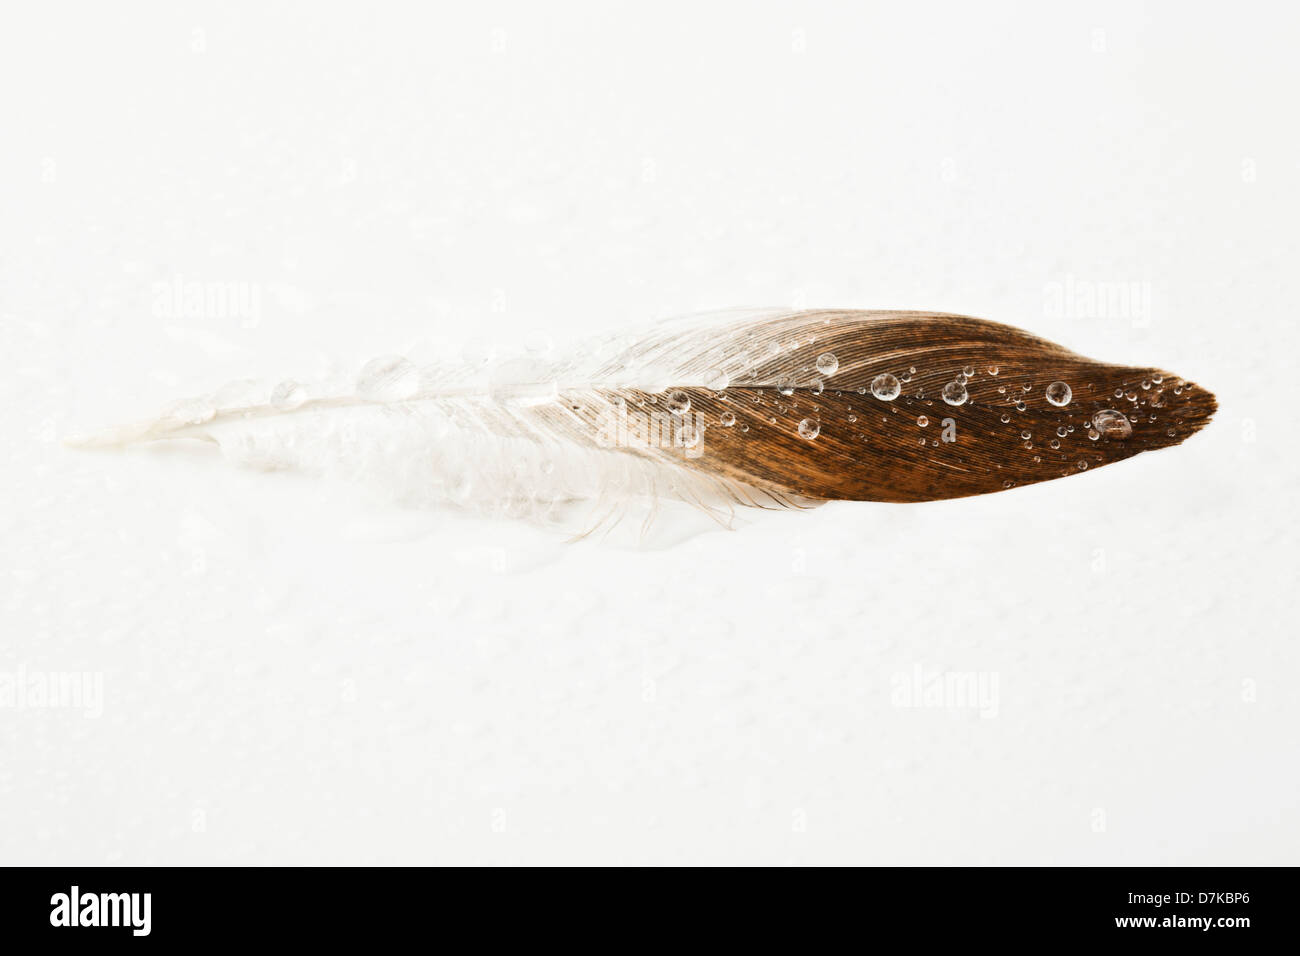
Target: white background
{"type": "Point", "coordinates": [294, 672]}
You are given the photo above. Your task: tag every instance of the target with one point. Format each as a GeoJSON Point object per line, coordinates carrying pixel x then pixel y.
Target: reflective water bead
{"type": "Point", "coordinates": [885, 387]}
{"type": "Point", "coordinates": [954, 393]}
{"type": "Point", "coordinates": [1112, 423]}
{"type": "Point", "coordinates": [1059, 394]}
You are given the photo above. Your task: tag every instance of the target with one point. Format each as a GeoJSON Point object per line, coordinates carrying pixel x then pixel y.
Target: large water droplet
{"type": "Point", "coordinates": [389, 378]}
{"type": "Point", "coordinates": [810, 428]}
{"type": "Point", "coordinates": [717, 380]}
{"type": "Point", "coordinates": [727, 419]}
{"type": "Point", "coordinates": [886, 387]}
{"type": "Point", "coordinates": [922, 420]}
{"type": "Point", "coordinates": [954, 393]}
{"type": "Point", "coordinates": [827, 363]}
{"type": "Point", "coordinates": [1059, 394]}
{"type": "Point", "coordinates": [677, 402]}
{"type": "Point", "coordinates": [1112, 424]}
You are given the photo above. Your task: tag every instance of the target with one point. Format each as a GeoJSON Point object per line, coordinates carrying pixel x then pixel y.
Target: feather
{"type": "Point", "coordinates": [775, 409]}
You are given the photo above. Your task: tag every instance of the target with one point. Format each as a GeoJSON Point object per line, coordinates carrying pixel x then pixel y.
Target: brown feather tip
{"type": "Point", "coordinates": [913, 407]}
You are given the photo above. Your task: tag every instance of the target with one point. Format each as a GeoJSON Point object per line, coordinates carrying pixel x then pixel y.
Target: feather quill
{"type": "Point", "coordinates": [776, 409]}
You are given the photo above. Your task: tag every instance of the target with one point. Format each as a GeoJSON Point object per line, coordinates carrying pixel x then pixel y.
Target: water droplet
{"type": "Point", "coordinates": [1026, 435]}
{"type": "Point", "coordinates": [1146, 384]}
{"type": "Point", "coordinates": [922, 421]}
{"type": "Point", "coordinates": [960, 378]}
{"type": "Point", "coordinates": [818, 386]}
{"type": "Point", "coordinates": [827, 363]}
{"type": "Point", "coordinates": [1055, 443]}
{"type": "Point", "coordinates": [993, 370]}
{"type": "Point", "coordinates": [389, 378]}
{"type": "Point", "coordinates": [1021, 406]}
{"type": "Point", "coordinates": [677, 402]}
{"type": "Point", "coordinates": [954, 393]}
{"type": "Point", "coordinates": [288, 395]}
{"type": "Point", "coordinates": [785, 388]}
{"type": "Point", "coordinates": [727, 419]}
{"type": "Point", "coordinates": [1062, 431]}
{"type": "Point", "coordinates": [809, 428]}
{"type": "Point", "coordinates": [969, 371]}
{"type": "Point", "coordinates": [1005, 418]}
{"type": "Point", "coordinates": [1157, 379]}
{"type": "Point", "coordinates": [717, 380]}
{"type": "Point", "coordinates": [885, 387]}
{"type": "Point", "coordinates": [1094, 434]}
{"type": "Point", "coordinates": [1112, 424]}
{"type": "Point", "coordinates": [1083, 465]}
{"type": "Point", "coordinates": [1059, 394]}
